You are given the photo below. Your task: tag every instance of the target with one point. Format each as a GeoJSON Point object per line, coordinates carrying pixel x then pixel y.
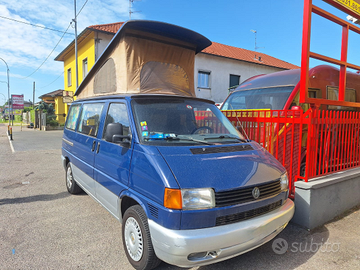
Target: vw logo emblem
{"type": "Point", "coordinates": [256, 193]}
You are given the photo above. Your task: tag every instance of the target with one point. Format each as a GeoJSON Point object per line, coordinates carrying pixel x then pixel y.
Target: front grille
{"type": "Point", "coordinates": [243, 195]}
{"type": "Point", "coordinates": [222, 149]}
{"type": "Point", "coordinates": [229, 219]}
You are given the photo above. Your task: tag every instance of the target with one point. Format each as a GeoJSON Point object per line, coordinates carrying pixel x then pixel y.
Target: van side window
{"type": "Point", "coordinates": [314, 93]}
{"type": "Point", "coordinates": [73, 117]}
{"type": "Point", "coordinates": [117, 113]}
{"type": "Point", "coordinates": [89, 120]}
{"type": "Point", "coordinates": [333, 94]}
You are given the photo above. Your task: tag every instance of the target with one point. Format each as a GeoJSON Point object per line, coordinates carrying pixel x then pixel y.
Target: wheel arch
{"type": "Point", "coordinates": [126, 201]}
{"type": "Point", "coordinates": [65, 161]}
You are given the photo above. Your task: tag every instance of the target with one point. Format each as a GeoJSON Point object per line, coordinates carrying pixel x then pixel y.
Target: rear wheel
{"type": "Point", "coordinates": [136, 239]}
{"type": "Point", "coordinates": [71, 185]}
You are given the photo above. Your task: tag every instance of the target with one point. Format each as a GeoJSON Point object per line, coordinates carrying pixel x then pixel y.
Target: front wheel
{"type": "Point", "coordinates": [136, 239]}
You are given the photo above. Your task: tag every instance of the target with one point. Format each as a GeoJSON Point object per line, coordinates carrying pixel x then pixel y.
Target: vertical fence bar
{"type": "Point", "coordinates": [314, 141]}
{"type": "Point", "coordinates": [327, 143]}
{"type": "Point", "coordinates": [347, 140]}
{"type": "Point", "coordinates": [351, 141]}
{"type": "Point", "coordinates": [340, 140]}
{"type": "Point", "coordinates": [332, 142]}
{"type": "Point", "coordinates": [354, 159]}
{"type": "Point", "coordinates": [278, 130]}
{"type": "Point", "coordinates": [308, 154]}
{"type": "Point", "coordinates": [270, 132]}
{"type": "Point", "coordinates": [356, 146]}
{"type": "Point", "coordinates": [321, 153]}
{"type": "Point", "coordinates": [300, 145]}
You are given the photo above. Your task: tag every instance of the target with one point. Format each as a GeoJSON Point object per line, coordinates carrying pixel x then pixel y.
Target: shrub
{"type": "Point", "coordinates": [52, 123]}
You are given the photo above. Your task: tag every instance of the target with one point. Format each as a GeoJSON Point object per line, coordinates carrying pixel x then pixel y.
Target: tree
{"type": "Point", "coordinates": [43, 106]}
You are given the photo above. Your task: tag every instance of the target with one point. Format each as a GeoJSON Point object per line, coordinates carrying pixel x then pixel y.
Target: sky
{"type": "Point", "coordinates": [34, 32]}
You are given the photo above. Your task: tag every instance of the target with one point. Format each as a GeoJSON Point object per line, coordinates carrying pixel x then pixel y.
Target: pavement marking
{"type": "Point", "coordinates": [11, 145]}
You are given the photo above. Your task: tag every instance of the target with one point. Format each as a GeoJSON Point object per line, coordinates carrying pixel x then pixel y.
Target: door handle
{"type": "Point", "coordinates": [98, 148]}
{"type": "Point", "coordinates": [93, 146]}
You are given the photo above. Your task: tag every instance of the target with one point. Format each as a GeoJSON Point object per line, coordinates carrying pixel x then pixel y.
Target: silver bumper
{"type": "Point", "coordinates": [216, 244]}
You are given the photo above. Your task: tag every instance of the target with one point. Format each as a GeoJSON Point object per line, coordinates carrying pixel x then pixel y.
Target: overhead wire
{"type": "Point", "coordinates": [36, 25]}
{"type": "Point", "coordinates": [82, 8]}
{"type": "Point", "coordinates": [51, 82]}
{"type": "Point", "coordinates": [49, 53]}
{"type": "Point", "coordinates": [54, 49]}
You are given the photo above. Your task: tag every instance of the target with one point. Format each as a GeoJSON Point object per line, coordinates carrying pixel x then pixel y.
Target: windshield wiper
{"type": "Point", "coordinates": [226, 137]}
{"type": "Point", "coordinates": [186, 139]}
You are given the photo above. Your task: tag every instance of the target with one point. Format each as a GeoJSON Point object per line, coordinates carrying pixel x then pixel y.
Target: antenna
{"type": "Point", "coordinates": [256, 47]}
{"type": "Point", "coordinates": [130, 6]}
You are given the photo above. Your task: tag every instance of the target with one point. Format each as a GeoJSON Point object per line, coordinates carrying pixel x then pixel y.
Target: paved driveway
{"type": "Point", "coordinates": [27, 139]}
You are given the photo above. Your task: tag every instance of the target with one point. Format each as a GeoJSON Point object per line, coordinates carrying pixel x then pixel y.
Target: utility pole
{"type": "Point", "coordinates": [33, 95]}
{"type": "Point", "coordinates": [76, 52]}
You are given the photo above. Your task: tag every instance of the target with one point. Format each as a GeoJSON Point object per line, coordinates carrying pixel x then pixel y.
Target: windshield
{"type": "Point", "coordinates": [168, 121]}
{"type": "Point", "coordinates": [273, 98]}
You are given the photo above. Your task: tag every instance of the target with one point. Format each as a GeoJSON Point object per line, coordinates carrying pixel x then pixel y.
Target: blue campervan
{"type": "Point", "coordinates": [187, 186]}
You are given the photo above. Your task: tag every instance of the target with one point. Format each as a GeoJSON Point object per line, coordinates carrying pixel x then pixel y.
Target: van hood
{"type": "Point", "coordinates": [221, 167]}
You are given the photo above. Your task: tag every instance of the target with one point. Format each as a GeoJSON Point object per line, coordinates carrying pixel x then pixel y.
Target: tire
{"type": "Point", "coordinates": [136, 239]}
{"type": "Point", "coordinates": [71, 185]}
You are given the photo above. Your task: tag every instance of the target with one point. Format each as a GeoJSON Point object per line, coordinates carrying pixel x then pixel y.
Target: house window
{"type": "Point", "coordinates": [69, 77]}
{"type": "Point", "coordinates": [234, 80]}
{"type": "Point", "coordinates": [204, 79]}
{"type": "Point", "coordinates": [85, 67]}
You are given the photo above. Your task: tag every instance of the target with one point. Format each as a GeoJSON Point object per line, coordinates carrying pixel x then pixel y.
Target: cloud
{"type": "Point", "coordinates": [25, 46]}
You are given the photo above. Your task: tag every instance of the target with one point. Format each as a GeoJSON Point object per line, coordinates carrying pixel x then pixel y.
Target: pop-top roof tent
{"type": "Point", "coordinates": [146, 57]}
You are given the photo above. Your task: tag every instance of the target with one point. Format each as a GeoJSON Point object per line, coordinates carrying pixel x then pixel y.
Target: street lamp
{"type": "Point", "coordinates": [8, 84]}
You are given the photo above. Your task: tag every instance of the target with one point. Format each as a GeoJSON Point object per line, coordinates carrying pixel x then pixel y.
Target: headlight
{"type": "Point", "coordinates": [197, 198]}
{"type": "Point", "coordinates": [284, 182]}
{"type": "Point", "coordinates": [189, 199]}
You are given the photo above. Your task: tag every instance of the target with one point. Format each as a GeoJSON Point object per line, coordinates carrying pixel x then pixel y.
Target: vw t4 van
{"type": "Point", "coordinates": [188, 188]}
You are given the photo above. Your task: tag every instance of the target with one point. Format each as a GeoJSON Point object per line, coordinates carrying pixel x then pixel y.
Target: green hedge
{"type": "Point", "coordinates": [32, 116]}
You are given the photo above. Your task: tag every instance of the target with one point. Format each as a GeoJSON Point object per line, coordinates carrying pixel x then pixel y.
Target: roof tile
{"type": "Point", "coordinates": [110, 27]}
{"type": "Point", "coordinates": [246, 55]}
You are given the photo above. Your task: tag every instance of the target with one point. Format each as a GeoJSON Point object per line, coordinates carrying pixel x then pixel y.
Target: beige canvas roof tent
{"type": "Point", "coordinates": [146, 57]}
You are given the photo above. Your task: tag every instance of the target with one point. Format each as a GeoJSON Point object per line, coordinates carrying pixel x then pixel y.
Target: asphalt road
{"type": "Point", "coordinates": [44, 227]}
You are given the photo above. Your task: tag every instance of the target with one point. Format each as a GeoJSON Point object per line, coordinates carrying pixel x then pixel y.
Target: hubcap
{"type": "Point", "coordinates": [133, 239]}
{"type": "Point", "coordinates": [69, 178]}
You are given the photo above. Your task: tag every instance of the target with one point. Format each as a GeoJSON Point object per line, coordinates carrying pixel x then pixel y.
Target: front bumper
{"type": "Point", "coordinates": [210, 245]}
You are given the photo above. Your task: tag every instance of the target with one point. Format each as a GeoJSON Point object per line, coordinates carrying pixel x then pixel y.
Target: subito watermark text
{"type": "Point", "coordinates": [281, 246]}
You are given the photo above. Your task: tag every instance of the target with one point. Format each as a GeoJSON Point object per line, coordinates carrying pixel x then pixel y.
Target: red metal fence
{"type": "Point", "coordinates": [308, 144]}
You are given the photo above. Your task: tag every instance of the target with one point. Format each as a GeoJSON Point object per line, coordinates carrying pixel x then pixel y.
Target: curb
{"type": "Point", "coordinates": [11, 144]}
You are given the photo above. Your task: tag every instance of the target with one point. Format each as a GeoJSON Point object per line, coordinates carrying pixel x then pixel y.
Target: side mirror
{"type": "Point", "coordinates": [114, 133]}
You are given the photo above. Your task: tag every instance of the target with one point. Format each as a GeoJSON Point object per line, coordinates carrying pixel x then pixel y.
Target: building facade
{"type": "Point", "coordinates": [220, 67]}
{"type": "Point", "coordinates": [55, 98]}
